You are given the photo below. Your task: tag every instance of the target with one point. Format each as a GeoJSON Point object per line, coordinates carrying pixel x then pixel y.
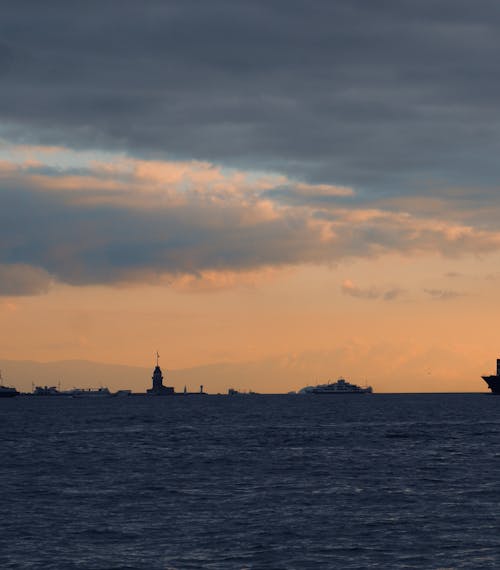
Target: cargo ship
{"type": "Point", "coordinates": [493, 381]}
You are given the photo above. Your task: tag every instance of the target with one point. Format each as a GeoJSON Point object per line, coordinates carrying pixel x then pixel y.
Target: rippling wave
{"type": "Point", "coordinates": [264, 482]}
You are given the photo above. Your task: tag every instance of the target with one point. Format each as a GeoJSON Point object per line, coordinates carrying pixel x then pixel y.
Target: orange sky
{"type": "Point", "coordinates": [269, 197]}
{"type": "Point", "coordinates": [305, 319]}
{"type": "Point", "coordinates": [413, 309]}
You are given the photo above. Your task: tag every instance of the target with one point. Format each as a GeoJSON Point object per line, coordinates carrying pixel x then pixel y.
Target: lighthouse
{"type": "Point", "coordinates": [158, 389]}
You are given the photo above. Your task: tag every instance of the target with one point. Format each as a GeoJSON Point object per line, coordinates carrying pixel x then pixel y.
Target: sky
{"type": "Point", "coordinates": [289, 190]}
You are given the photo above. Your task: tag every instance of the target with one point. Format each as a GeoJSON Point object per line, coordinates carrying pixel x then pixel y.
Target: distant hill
{"type": "Point", "coordinates": [215, 378]}
{"type": "Point", "coordinates": [73, 373]}
{"type": "Point", "coordinates": [427, 371]}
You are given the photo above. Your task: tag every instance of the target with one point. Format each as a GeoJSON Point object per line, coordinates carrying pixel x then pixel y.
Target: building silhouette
{"type": "Point", "coordinates": [158, 389]}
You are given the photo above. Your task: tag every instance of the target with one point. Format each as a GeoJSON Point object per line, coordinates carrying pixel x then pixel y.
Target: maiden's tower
{"type": "Point", "coordinates": [158, 389]}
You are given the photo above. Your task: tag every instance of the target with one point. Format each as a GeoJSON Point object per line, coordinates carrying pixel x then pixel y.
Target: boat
{"type": "Point", "coordinates": [7, 391]}
{"type": "Point", "coordinates": [233, 392]}
{"type": "Point", "coordinates": [47, 391]}
{"type": "Point", "coordinates": [72, 392]}
{"type": "Point", "coordinates": [91, 393]}
{"type": "Point", "coordinates": [341, 386]}
{"type": "Point", "coordinates": [493, 380]}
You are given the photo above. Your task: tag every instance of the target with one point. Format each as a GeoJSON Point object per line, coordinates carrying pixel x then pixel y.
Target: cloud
{"type": "Point", "coordinates": [349, 288]}
{"type": "Point", "coordinates": [195, 223]}
{"type": "Point", "coordinates": [346, 93]}
{"type": "Point", "coordinates": [319, 195]}
{"type": "Point", "coordinates": [210, 144]}
{"type": "Point", "coordinates": [214, 281]}
{"type": "Point", "coordinates": [391, 294]}
{"type": "Point", "coordinates": [20, 279]}
{"type": "Point", "coordinates": [443, 294]}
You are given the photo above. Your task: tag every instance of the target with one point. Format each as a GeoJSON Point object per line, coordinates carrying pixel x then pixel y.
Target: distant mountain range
{"type": "Point", "coordinates": [258, 376]}
{"type": "Point", "coordinates": [84, 373]}
{"type": "Point", "coordinates": [417, 372]}
{"type": "Point", "coordinates": [72, 373]}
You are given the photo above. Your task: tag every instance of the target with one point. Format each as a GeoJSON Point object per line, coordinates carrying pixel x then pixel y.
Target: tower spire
{"type": "Point", "coordinates": [158, 389]}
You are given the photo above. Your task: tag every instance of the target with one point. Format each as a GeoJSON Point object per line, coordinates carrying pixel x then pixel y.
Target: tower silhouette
{"type": "Point", "coordinates": [158, 389]}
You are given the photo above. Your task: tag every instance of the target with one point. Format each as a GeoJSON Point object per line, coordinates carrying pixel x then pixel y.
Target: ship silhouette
{"type": "Point", "coordinates": [341, 386]}
{"type": "Point", "coordinates": [493, 381]}
{"type": "Point", "coordinates": [7, 391]}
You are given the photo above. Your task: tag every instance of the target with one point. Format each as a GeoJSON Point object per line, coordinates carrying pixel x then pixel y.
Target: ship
{"type": "Point", "coordinates": [233, 392]}
{"type": "Point", "coordinates": [91, 393]}
{"type": "Point", "coordinates": [47, 391]}
{"type": "Point", "coordinates": [7, 391]}
{"type": "Point", "coordinates": [341, 386]}
{"type": "Point", "coordinates": [493, 381]}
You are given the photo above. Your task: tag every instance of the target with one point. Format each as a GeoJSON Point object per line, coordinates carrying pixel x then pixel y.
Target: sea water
{"type": "Point", "coordinates": [250, 482]}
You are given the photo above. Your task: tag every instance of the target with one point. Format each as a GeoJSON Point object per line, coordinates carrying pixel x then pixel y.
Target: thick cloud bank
{"type": "Point", "coordinates": [386, 96]}
{"type": "Point", "coordinates": [223, 136]}
{"type": "Point", "coordinates": [131, 220]}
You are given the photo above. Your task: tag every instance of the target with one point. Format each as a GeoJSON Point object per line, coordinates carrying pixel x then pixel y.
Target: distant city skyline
{"type": "Point", "coordinates": [273, 192]}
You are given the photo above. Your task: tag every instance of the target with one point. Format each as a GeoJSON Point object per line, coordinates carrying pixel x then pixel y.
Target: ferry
{"type": "Point", "coordinates": [341, 386]}
{"type": "Point", "coordinates": [90, 393]}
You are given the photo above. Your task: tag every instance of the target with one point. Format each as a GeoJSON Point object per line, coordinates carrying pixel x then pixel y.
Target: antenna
{"type": "Point", "coordinates": [157, 357]}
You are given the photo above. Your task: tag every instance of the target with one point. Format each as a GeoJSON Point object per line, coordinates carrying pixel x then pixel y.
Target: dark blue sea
{"type": "Point", "coordinates": [250, 482]}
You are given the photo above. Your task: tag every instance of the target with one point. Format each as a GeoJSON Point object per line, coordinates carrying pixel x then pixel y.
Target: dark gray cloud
{"type": "Point", "coordinates": [88, 243]}
{"type": "Point", "coordinates": [396, 99]}
{"type": "Point", "coordinates": [391, 97]}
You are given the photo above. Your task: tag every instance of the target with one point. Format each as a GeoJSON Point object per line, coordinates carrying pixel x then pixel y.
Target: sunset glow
{"type": "Point", "coordinates": [265, 224]}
